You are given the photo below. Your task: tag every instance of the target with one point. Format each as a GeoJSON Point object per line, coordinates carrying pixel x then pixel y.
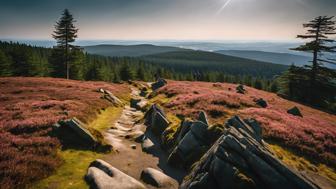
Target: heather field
{"type": "Point", "coordinates": [28, 107]}
{"type": "Point", "coordinates": [313, 135]}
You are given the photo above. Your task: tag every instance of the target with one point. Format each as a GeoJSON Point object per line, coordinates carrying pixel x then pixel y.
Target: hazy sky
{"type": "Point", "coordinates": [164, 19]}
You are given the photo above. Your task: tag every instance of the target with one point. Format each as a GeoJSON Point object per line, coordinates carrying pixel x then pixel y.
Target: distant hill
{"type": "Point", "coordinates": [277, 58]}
{"type": "Point", "coordinates": [129, 50]}
{"type": "Point", "coordinates": [209, 61]}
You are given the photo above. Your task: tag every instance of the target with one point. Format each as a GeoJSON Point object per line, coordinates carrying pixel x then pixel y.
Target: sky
{"type": "Point", "coordinates": [254, 20]}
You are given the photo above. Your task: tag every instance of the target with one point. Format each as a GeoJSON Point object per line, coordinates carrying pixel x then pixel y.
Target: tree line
{"type": "Point", "coordinates": [312, 84]}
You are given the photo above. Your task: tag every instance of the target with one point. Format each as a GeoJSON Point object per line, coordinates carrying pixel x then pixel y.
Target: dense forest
{"type": "Point", "coordinates": [24, 60]}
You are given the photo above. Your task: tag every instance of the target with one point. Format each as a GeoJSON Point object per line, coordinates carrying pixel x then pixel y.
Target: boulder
{"type": "Point", "coordinates": [149, 114]}
{"type": "Point", "coordinates": [147, 145]}
{"type": "Point", "coordinates": [295, 111]}
{"type": "Point", "coordinates": [133, 146]}
{"type": "Point", "coordinates": [143, 92]}
{"type": "Point", "coordinates": [238, 161]}
{"type": "Point", "coordinates": [157, 178]}
{"type": "Point", "coordinates": [102, 175]}
{"type": "Point", "coordinates": [134, 103]}
{"type": "Point", "coordinates": [108, 95]}
{"type": "Point", "coordinates": [203, 117]}
{"type": "Point", "coordinates": [158, 84]}
{"type": "Point", "coordinates": [240, 89]}
{"type": "Point", "coordinates": [261, 102]}
{"type": "Point", "coordinates": [78, 129]}
{"type": "Point", "coordinates": [191, 146]}
{"type": "Point", "coordinates": [159, 123]}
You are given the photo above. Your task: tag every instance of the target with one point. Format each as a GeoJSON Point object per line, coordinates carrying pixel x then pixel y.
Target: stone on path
{"type": "Point", "coordinates": [133, 146]}
{"type": "Point", "coordinates": [102, 175]}
{"type": "Point", "coordinates": [157, 178]}
{"type": "Point", "coordinates": [147, 145]}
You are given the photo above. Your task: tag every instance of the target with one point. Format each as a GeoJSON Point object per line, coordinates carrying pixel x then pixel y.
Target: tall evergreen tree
{"type": "Point", "coordinates": [65, 33]}
{"type": "Point", "coordinates": [318, 31]}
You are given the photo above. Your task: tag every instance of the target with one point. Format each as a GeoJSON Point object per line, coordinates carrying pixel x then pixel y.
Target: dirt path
{"type": "Point", "coordinates": [132, 161]}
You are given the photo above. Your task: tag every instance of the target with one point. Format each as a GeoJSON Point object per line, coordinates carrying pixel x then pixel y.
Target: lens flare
{"type": "Point", "coordinates": [227, 2]}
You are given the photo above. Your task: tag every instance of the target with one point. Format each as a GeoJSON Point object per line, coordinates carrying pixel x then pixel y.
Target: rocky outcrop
{"type": "Point", "coordinates": [158, 84]}
{"type": "Point", "coordinates": [192, 142]}
{"type": "Point", "coordinates": [261, 102]}
{"type": "Point", "coordinates": [240, 159]}
{"type": "Point", "coordinates": [240, 89]}
{"type": "Point", "coordinates": [147, 145]}
{"type": "Point", "coordinates": [102, 175]}
{"type": "Point", "coordinates": [74, 132]}
{"type": "Point", "coordinates": [295, 111]}
{"type": "Point", "coordinates": [157, 178]}
{"type": "Point", "coordinates": [108, 95]}
{"type": "Point", "coordinates": [156, 120]}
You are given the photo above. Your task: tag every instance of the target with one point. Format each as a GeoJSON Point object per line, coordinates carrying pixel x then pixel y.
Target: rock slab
{"type": "Point", "coordinates": [157, 178]}
{"type": "Point", "coordinates": [102, 175]}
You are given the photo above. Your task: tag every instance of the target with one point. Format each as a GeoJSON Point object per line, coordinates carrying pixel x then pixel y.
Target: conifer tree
{"type": "Point", "coordinates": [318, 31]}
{"type": "Point", "coordinates": [65, 33]}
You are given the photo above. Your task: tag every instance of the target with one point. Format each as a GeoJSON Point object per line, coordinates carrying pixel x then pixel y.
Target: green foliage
{"type": "Point", "coordinates": [313, 84]}
{"type": "Point", "coordinates": [5, 64]}
{"type": "Point", "coordinates": [65, 33]}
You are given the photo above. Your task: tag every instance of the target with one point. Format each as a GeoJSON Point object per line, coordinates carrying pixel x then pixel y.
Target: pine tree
{"type": "Point", "coordinates": [319, 31]}
{"type": "Point", "coordinates": [65, 33]}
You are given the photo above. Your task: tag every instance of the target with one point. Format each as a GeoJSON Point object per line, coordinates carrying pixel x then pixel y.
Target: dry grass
{"type": "Point", "coordinates": [28, 107]}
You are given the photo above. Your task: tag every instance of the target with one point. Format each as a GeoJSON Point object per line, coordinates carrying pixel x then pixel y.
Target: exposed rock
{"type": "Point", "coordinates": [191, 146]}
{"type": "Point", "coordinates": [102, 175]}
{"type": "Point", "coordinates": [143, 92]}
{"type": "Point", "coordinates": [133, 146]}
{"type": "Point", "coordinates": [295, 111]}
{"type": "Point", "coordinates": [240, 89]}
{"type": "Point", "coordinates": [203, 117]}
{"type": "Point", "coordinates": [147, 145]}
{"type": "Point", "coordinates": [158, 84]}
{"type": "Point", "coordinates": [238, 160]}
{"type": "Point", "coordinates": [155, 118]}
{"type": "Point", "coordinates": [157, 178]}
{"type": "Point", "coordinates": [134, 103]}
{"type": "Point", "coordinates": [108, 95]}
{"type": "Point", "coordinates": [261, 102]}
{"type": "Point", "coordinates": [74, 130]}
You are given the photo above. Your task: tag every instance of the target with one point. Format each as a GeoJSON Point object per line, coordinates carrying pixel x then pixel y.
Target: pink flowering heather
{"type": "Point", "coordinates": [314, 135]}
{"type": "Point", "coordinates": [28, 107]}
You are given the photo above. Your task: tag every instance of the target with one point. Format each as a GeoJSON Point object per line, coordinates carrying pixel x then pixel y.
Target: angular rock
{"type": "Point", "coordinates": [134, 103]}
{"type": "Point", "coordinates": [159, 123]}
{"type": "Point", "coordinates": [79, 129]}
{"type": "Point", "coordinates": [295, 111]}
{"type": "Point", "coordinates": [261, 102]}
{"type": "Point", "coordinates": [240, 89]}
{"type": "Point", "coordinates": [203, 117]}
{"type": "Point", "coordinates": [238, 161]}
{"type": "Point", "coordinates": [133, 146]}
{"type": "Point", "coordinates": [147, 145]}
{"type": "Point", "coordinates": [102, 175]}
{"type": "Point", "coordinates": [149, 114]}
{"type": "Point", "coordinates": [158, 84]}
{"type": "Point", "coordinates": [157, 178]}
{"type": "Point", "coordinates": [191, 146]}
{"type": "Point", "coordinates": [108, 95]}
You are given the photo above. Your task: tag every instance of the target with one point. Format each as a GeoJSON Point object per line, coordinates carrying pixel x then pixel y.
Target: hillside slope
{"type": "Point", "coordinates": [28, 108]}
{"type": "Point", "coordinates": [276, 58]}
{"type": "Point", "coordinates": [208, 61]}
{"type": "Point", "coordinates": [309, 140]}
{"type": "Point", "coordinates": [128, 50]}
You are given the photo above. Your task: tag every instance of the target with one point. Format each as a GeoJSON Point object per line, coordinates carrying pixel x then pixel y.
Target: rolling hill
{"type": "Point", "coordinates": [209, 61]}
{"type": "Point", "coordinates": [277, 58]}
{"type": "Point", "coordinates": [128, 50]}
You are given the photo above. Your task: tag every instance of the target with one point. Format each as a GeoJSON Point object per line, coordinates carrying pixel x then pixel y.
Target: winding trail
{"type": "Point", "coordinates": [122, 136]}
